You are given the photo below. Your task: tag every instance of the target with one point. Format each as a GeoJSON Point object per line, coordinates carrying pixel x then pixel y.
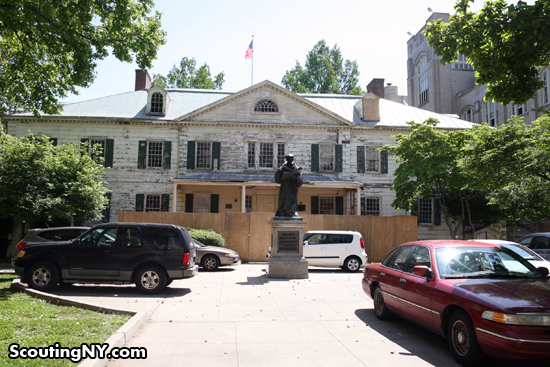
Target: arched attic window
{"type": "Point", "coordinates": [157, 103]}
{"type": "Point", "coordinates": [468, 114]}
{"type": "Point", "coordinates": [266, 106]}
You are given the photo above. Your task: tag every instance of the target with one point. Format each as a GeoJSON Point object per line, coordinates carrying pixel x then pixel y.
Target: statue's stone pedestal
{"type": "Point", "coordinates": [287, 249]}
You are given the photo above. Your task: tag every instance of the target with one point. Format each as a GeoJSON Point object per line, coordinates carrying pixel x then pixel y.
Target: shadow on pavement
{"type": "Point", "coordinates": [124, 291]}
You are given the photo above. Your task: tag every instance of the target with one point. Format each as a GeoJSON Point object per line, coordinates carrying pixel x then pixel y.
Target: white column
{"type": "Point", "coordinates": [358, 202]}
{"type": "Point", "coordinates": [175, 199]}
{"type": "Point", "coordinates": [243, 199]}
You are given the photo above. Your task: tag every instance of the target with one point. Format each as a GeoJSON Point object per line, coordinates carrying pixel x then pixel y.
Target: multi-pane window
{"type": "Point", "coordinates": [266, 155]}
{"type": "Point", "coordinates": [372, 160]}
{"type": "Point", "coordinates": [266, 105]}
{"type": "Point", "coordinates": [156, 103]}
{"type": "Point", "coordinates": [152, 203]}
{"type": "Point", "coordinates": [546, 88]}
{"type": "Point", "coordinates": [461, 63]}
{"type": "Point", "coordinates": [326, 205]}
{"type": "Point", "coordinates": [97, 149]}
{"type": "Point", "coordinates": [425, 211]}
{"type": "Point", "coordinates": [468, 114]}
{"type": "Point", "coordinates": [248, 203]}
{"type": "Point", "coordinates": [371, 206]}
{"type": "Point", "coordinates": [422, 72]}
{"type": "Point", "coordinates": [326, 158]}
{"type": "Point", "coordinates": [491, 113]}
{"type": "Point", "coordinates": [251, 155]}
{"type": "Point", "coordinates": [519, 109]}
{"type": "Point", "coordinates": [155, 154]}
{"type": "Point", "coordinates": [280, 154]}
{"type": "Point", "coordinates": [201, 204]}
{"type": "Point", "coordinates": [263, 155]}
{"type": "Point", "coordinates": [204, 155]}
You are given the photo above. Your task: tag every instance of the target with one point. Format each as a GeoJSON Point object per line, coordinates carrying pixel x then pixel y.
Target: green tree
{"type": "Point", "coordinates": [504, 43]}
{"type": "Point", "coordinates": [48, 48]}
{"type": "Point", "coordinates": [188, 76]}
{"type": "Point", "coordinates": [429, 168]}
{"type": "Point", "coordinates": [40, 181]}
{"type": "Point", "coordinates": [325, 72]}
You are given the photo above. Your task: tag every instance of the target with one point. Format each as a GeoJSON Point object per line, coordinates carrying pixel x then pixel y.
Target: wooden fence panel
{"type": "Point", "coordinates": [250, 234]}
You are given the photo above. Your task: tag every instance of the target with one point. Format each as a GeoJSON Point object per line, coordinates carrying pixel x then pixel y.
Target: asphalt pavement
{"type": "Point", "coordinates": [238, 317]}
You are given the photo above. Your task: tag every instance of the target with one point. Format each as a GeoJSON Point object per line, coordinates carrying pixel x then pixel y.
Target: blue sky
{"type": "Point", "coordinates": [218, 32]}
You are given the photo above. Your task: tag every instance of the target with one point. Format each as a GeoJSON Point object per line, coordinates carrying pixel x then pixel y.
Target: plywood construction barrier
{"type": "Point", "coordinates": [250, 234]}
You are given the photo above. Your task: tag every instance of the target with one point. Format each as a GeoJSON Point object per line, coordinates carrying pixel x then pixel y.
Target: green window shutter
{"type": "Point", "coordinates": [87, 148]}
{"type": "Point", "coordinates": [54, 141]}
{"type": "Point", "coordinates": [338, 155]}
{"type": "Point", "coordinates": [363, 206]}
{"type": "Point", "coordinates": [437, 213]}
{"type": "Point", "coordinates": [360, 159]}
{"type": "Point", "coordinates": [314, 157]}
{"type": "Point", "coordinates": [106, 212]}
{"type": "Point", "coordinates": [384, 162]}
{"type": "Point", "coordinates": [191, 155]}
{"type": "Point", "coordinates": [189, 203]}
{"type": "Point", "coordinates": [140, 202]}
{"type": "Point", "coordinates": [165, 203]}
{"type": "Point", "coordinates": [214, 203]}
{"type": "Point", "coordinates": [167, 154]}
{"type": "Point", "coordinates": [216, 152]}
{"type": "Point", "coordinates": [109, 150]}
{"type": "Point", "coordinates": [315, 205]}
{"type": "Point", "coordinates": [415, 210]}
{"type": "Point", "coordinates": [142, 154]}
{"type": "Point", "coordinates": [339, 210]}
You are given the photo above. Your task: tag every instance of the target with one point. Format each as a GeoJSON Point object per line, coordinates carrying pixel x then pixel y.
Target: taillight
{"type": "Point", "coordinates": [362, 243]}
{"type": "Point", "coordinates": [186, 258]}
{"type": "Point", "coordinates": [20, 245]}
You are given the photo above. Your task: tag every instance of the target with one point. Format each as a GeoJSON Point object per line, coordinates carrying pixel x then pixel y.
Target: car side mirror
{"type": "Point", "coordinates": [423, 271]}
{"type": "Point", "coordinates": [306, 243]}
{"type": "Point", "coordinates": [543, 270]}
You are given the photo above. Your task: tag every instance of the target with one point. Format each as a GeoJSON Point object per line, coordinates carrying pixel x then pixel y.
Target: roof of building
{"type": "Point", "coordinates": [132, 105]}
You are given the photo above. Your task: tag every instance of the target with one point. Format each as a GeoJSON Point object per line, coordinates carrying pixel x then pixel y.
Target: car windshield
{"type": "Point", "coordinates": [482, 262]}
{"type": "Point", "coordinates": [198, 244]}
{"type": "Point", "coordinates": [523, 251]}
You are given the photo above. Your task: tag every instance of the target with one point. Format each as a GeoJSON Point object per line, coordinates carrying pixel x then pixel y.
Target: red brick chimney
{"type": "Point", "coordinates": [143, 79]}
{"type": "Point", "coordinates": [376, 86]}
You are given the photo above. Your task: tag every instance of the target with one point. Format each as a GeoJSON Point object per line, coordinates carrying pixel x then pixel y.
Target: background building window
{"type": "Point", "coordinates": [326, 158]}
{"type": "Point", "coordinates": [519, 109]}
{"type": "Point", "coordinates": [425, 211]}
{"type": "Point", "coordinates": [155, 154]}
{"type": "Point", "coordinates": [326, 205]}
{"type": "Point", "coordinates": [491, 113]}
{"type": "Point", "coordinates": [370, 206]}
{"type": "Point", "coordinates": [422, 72]}
{"type": "Point", "coordinates": [266, 155]}
{"type": "Point", "coordinates": [156, 103]}
{"type": "Point", "coordinates": [546, 88]}
{"type": "Point", "coordinates": [152, 203]}
{"type": "Point", "coordinates": [263, 155]}
{"type": "Point", "coordinates": [280, 154]}
{"type": "Point", "coordinates": [372, 160]}
{"type": "Point", "coordinates": [266, 105]}
{"type": "Point", "coordinates": [204, 155]}
{"type": "Point", "coordinates": [97, 149]}
{"type": "Point", "coordinates": [202, 204]}
{"type": "Point", "coordinates": [468, 114]}
{"type": "Point", "coordinates": [248, 203]}
{"type": "Point", "coordinates": [461, 63]}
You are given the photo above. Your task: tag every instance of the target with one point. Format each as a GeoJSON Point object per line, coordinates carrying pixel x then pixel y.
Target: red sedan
{"type": "Point", "coordinates": [482, 297]}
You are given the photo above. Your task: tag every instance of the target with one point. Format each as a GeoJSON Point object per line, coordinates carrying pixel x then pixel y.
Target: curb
{"type": "Point", "coordinates": [117, 340]}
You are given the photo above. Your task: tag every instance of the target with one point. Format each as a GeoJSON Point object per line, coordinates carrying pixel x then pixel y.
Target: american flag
{"type": "Point", "coordinates": [249, 52]}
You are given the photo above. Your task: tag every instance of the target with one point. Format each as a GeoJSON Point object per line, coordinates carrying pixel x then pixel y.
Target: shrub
{"type": "Point", "coordinates": [207, 237]}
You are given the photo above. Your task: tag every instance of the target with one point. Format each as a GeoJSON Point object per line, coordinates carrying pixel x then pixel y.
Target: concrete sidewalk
{"type": "Point", "coordinates": [237, 317]}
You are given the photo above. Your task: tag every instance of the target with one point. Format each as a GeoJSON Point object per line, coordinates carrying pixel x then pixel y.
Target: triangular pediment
{"type": "Point", "coordinates": [268, 103]}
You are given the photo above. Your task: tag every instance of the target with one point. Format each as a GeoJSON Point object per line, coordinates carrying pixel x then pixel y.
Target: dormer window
{"type": "Point", "coordinates": [158, 101]}
{"type": "Point", "coordinates": [266, 106]}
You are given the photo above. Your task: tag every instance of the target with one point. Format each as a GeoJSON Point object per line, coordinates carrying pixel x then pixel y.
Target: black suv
{"type": "Point", "coordinates": [149, 255]}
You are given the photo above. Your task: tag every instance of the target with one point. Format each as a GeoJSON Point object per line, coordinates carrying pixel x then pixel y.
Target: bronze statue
{"type": "Point", "coordinates": [290, 177]}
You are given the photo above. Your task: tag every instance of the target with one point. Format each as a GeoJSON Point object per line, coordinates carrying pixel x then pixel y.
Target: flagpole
{"type": "Point", "coordinates": [252, 72]}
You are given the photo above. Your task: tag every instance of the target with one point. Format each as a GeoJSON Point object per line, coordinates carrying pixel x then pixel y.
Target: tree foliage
{"type": "Point", "coordinates": [188, 76]}
{"type": "Point", "coordinates": [48, 48]}
{"type": "Point", "coordinates": [428, 168]}
{"type": "Point", "coordinates": [504, 43]}
{"type": "Point", "coordinates": [325, 72]}
{"type": "Point", "coordinates": [40, 181]}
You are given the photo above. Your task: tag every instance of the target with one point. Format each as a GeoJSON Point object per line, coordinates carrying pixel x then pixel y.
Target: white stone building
{"type": "Point", "coordinates": [187, 150]}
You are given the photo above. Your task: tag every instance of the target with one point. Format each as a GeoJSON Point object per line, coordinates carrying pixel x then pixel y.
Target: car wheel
{"type": "Point", "coordinates": [380, 308]}
{"type": "Point", "coordinates": [352, 264]}
{"type": "Point", "coordinates": [43, 276]}
{"type": "Point", "coordinates": [151, 279]}
{"type": "Point", "coordinates": [462, 340]}
{"type": "Point", "coordinates": [169, 281]}
{"type": "Point", "coordinates": [210, 262]}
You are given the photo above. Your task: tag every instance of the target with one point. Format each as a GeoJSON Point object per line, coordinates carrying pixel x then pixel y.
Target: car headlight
{"type": "Point", "coordinates": [529, 319]}
{"type": "Point", "coordinates": [231, 255]}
